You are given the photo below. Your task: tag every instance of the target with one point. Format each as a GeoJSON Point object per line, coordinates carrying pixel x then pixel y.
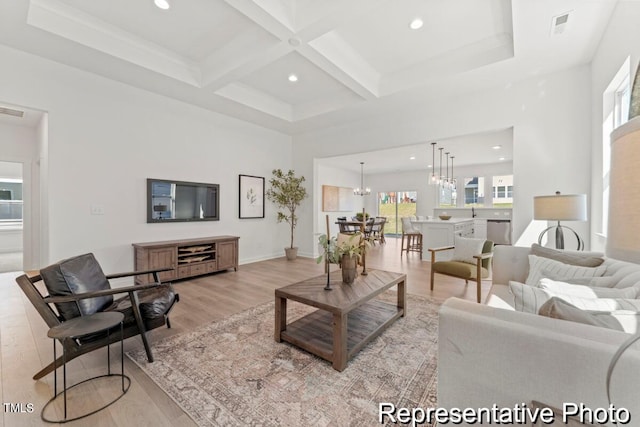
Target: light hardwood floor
{"type": "Point", "coordinates": [25, 348]}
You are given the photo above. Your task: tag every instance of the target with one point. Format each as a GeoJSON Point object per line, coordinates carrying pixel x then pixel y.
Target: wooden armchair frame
{"type": "Point", "coordinates": [478, 279]}
{"type": "Point", "coordinates": [75, 348]}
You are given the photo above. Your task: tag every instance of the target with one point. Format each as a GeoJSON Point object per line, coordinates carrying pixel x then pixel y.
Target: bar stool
{"type": "Point", "coordinates": [412, 236]}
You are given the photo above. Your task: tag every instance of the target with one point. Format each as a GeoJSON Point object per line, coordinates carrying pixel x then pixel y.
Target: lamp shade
{"type": "Point", "coordinates": [560, 207]}
{"type": "Point", "coordinates": [624, 193]}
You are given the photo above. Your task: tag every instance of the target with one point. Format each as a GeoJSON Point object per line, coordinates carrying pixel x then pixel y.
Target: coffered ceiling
{"type": "Point", "coordinates": [351, 57]}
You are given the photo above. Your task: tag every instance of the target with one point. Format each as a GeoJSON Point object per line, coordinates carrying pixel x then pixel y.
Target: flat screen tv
{"type": "Point", "coordinates": [181, 201]}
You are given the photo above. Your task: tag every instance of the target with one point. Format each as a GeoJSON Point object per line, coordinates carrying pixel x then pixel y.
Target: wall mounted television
{"type": "Point", "coordinates": [182, 201]}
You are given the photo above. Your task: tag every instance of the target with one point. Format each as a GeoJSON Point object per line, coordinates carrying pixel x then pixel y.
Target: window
{"type": "Point", "coordinates": [447, 196]}
{"type": "Point", "coordinates": [622, 99]}
{"type": "Point", "coordinates": [474, 191]}
{"type": "Point", "coordinates": [503, 191]}
{"type": "Point", "coordinates": [10, 200]}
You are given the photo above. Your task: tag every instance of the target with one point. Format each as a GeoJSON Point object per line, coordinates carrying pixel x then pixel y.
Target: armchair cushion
{"type": "Point", "coordinates": [77, 275]}
{"type": "Point", "coordinates": [153, 303]}
{"type": "Point", "coordinates": [463, 270]}
{"type": "Point", "coordinates": [466, 248]}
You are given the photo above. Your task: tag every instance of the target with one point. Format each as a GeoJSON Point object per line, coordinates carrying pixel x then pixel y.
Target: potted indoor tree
{"type": "Point", "coordinates": [287, 193]}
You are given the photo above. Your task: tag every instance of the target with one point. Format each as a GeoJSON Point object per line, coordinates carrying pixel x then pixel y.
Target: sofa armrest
{"type": "Point", "coordinates": [488, 355]}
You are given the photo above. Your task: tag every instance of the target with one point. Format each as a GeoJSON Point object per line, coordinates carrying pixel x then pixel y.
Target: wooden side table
{"type": "Point", "coordinates": [78, 328]}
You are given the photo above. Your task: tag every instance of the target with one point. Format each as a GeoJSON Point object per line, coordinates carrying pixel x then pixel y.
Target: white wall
{"type": "Point", "coordinates": [40, 207]}
{"type": "Point", "coordinates": [550, 115]}
{"type": "Point", "coordinates": [105, 138]}
{"type": "Point", "coordinates": [619, 42]}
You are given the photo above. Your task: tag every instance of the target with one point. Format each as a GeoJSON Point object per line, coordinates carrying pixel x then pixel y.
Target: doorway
{"type": "Point", "coordinates": [11, 216]}
{"type": "Point", "coordinates": [394, 205]}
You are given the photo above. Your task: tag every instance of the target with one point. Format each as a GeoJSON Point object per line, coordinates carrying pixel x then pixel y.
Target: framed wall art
{"type": "Point", "coordinates": [337, 199]}
{"type": "Point", "coordinates": [251, 196]}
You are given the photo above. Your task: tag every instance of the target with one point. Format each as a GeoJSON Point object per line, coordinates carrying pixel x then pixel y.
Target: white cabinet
{"type": "Point", "coordinates": [480, 228]}
{"type": "Point", "coordinates": [437, 233]}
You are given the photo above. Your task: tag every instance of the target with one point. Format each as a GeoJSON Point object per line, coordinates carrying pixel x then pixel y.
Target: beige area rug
{"type": "Point", "coordinates": [233, 373]}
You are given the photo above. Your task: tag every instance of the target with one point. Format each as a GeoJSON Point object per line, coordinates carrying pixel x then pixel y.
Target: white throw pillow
{"type": "Point", "coordinates": [621, 320]}
{"type": "Point", "coordinates": [539, 266]}
{"type": "Point", "coordinates": [465, 248]}
{"type": "Point", "coordinates": [593, 282]}
{"type": "Point", "coordinates": [529, 299]}
{"type": "Point", "coordinates": [559, 309]}
{"type": "Point", "coordinates": [585, 291]}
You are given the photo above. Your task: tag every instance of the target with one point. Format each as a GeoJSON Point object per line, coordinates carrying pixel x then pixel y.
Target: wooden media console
{"type": "Point", "coordinates": [187, 258]}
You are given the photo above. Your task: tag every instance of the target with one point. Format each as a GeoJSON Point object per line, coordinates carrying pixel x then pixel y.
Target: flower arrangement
{"type": "Point", "coordinates": [334, 248]}
{"type": "Point", "coordinates": [346, 250]}
{"type": "Point", "coordinates": [361, 217]}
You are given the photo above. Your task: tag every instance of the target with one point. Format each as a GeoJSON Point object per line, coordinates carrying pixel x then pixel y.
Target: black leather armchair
{"type": "Point", "coordinates": [78, 287]}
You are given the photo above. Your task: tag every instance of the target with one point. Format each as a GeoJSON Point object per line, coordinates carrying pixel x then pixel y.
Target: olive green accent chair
{"type": "Point", "coordinates": [464, 270]}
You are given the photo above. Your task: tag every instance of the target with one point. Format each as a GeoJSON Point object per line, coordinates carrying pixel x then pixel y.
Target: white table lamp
{"type": "Point", "coordinates": [560, 207]}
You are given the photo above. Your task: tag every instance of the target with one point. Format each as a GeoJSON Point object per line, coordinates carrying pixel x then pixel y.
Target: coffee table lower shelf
{"type": "Point", "coordinates": [314, 332]}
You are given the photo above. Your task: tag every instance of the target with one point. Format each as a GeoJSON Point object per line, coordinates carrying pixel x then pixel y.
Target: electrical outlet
{"type": "Point", "coordinates": [97, 210]}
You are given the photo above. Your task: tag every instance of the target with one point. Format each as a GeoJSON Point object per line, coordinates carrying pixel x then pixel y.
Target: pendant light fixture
{"type": "Point", "coordinates": [453, 179]}
{"type": "Point", "coordinates": [440, 176]}
{"type": "Point", "coordinates": [433, 162]}
{"type": "Point", "coordinates": [446, 182]}
{"type": "Point", "coordinates": [362, 191]}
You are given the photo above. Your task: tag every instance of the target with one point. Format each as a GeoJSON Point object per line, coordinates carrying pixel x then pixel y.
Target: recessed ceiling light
{"type": "Point", "coordinates": [162, 4]}
{"type": "Point", "coordinates": [293, 78]}
{"type": "Point", "coordinates": [416, 24]}
{"type": "Point", "coordinates": [412, 158]}
{"type": "Point", "coordinates": [497, 147]}
{"type": "Point", "coordinates": [501, 158]}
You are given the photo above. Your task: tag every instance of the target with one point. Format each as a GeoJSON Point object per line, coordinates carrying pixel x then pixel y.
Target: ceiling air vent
{"type": "Point", "coordinates": [11, 112]}
{"type": "Point", "coordinates": [559, 23]}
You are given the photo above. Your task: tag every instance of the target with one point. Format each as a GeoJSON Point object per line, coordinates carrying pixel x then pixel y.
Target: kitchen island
{"type": "Point", "coordinates": [437, 233]}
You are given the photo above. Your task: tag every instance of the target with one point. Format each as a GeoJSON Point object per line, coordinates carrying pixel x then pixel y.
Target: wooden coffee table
{"type": "Point", "coordinates": [348, 318]}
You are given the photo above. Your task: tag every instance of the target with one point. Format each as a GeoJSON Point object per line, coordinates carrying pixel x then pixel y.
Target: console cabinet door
{"type": "Point", "coordinates": [161, 258]}
{"type": "Point", "coordinates": [227, 255]}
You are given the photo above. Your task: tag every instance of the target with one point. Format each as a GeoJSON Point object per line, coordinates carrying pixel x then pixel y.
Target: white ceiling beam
{"type": "Point", "coordinates": [475, 55]}
{"type": "Point", "coordinates": [62, 20]}
{"type": "Point", "coordinates": [258, 100]}
{"type": "Point", "coordinates": [261, 16]}
{"type": "Point", "coordinates": [338, 59]}
{"type": "Point", "coordinates": [219, 71]}
{"type": "Point", "coordinates": [324, 48]}
{"type": "Point", "coordinates": [331, 54]}
{"type": "Point", "coordinates": [348, 12]}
